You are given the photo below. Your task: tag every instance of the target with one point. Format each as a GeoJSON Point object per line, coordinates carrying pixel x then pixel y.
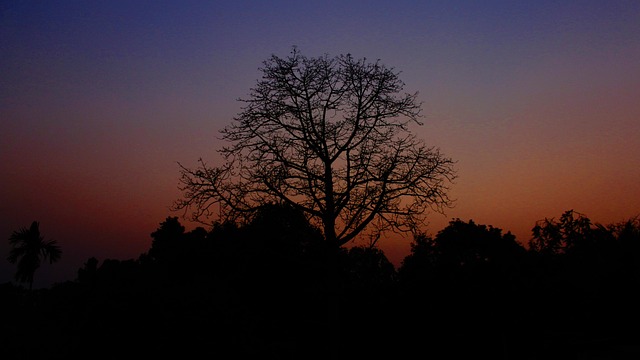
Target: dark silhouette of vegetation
{"type": "Point", "coordinates": [322, 154]}
{"type": "Point", "coordinates": [465, 279]}
{"type": "Point", "coordinates": [330, 137]}
{"type": "Point", "coordinates": [261, 289]}
{"type": "Point", "coordinates": [29, 249]}
{"type": "Point", "coordinates": [572, 232]}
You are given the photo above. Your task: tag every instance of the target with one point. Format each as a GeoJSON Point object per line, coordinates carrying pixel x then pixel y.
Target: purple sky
{"type": "Point", "coordinates": [538, 101]}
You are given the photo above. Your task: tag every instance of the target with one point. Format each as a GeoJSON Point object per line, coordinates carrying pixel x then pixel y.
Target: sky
{"type": "Point", "coordinates": [538, 102]}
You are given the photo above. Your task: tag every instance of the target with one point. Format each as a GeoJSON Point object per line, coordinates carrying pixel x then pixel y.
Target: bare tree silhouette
{"type": "Point", "coordinates": [331, 137]}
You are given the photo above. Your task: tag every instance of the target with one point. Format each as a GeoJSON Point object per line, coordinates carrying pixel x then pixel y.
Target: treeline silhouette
{"type": "Point", "coordinates": [273, 289]}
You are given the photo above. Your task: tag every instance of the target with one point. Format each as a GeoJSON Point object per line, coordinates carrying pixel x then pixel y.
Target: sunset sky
{"type": "Point", "coordinates": [537, 101]}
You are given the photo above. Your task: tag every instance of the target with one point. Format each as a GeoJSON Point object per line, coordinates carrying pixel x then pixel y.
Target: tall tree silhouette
{"type": "Point", "coordinates": [29, 249]}
{"type": "Point", "coordinates": [331, 137]}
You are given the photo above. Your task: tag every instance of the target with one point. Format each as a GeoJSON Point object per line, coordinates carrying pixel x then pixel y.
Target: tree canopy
{"type": "Point", "coordinates": [29, 249]}
{"type": "Point", "coordinates": [329, 136]}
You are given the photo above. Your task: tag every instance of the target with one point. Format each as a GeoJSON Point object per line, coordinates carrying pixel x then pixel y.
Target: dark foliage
{"type": "Point", "coordinates": [271, 288]}
{"type": "Point", "coordinates": [29, 249]}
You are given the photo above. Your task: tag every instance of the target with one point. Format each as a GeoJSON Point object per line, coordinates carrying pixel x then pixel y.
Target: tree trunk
{"type": "Point", "coordinates": [333, 267]}
{"type": "Point", "coordinates": [333, 303]}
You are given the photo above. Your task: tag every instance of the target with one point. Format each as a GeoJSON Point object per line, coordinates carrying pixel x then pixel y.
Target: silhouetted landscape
{"type": "Point", "coordinates": [271, 288]}
{"type": "Point", "coordinates": [240, 180]}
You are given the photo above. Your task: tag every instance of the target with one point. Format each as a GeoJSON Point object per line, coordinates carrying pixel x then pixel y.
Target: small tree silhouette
{"type": "Point", "coordinates": [29, 249]}
{"type": "Point", "coordinates": [571, 232]}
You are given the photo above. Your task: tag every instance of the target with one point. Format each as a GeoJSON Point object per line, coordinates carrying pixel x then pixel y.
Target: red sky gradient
{"type": "Point", "coordinates": [537, 101]}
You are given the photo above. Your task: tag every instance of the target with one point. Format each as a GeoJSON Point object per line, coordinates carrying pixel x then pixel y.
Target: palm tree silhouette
{"type": "Point", "coordinates": [29, 249]}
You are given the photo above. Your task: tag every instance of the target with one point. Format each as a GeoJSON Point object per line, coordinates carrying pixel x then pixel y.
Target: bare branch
{"type": "Point", "coordinates": [330, 136]}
